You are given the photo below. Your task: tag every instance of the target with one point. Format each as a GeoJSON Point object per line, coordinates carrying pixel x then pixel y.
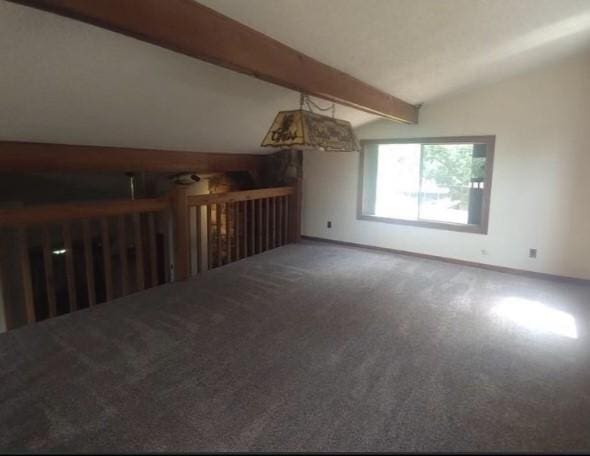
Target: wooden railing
{"type": "Point", "coordinates": [78, 233]}
{"type": "Point", "coordinates": [76, 255]}
{"type": "Point", "coordinates": [220, 228]}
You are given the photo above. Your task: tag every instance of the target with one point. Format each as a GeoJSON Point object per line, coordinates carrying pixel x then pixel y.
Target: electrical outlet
{"type": "Point", "coordinates": [532, 253]}
{"type": "Point", "coordinates": [329, 224]}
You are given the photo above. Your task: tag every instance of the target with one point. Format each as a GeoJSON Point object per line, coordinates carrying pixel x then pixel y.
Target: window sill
{"type": "Point", "coordinates": [474, 229]}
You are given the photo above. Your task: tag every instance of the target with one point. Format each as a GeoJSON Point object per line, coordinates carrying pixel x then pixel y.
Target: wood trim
{"type": "Point", "coordinates": [45, 157]}
{"type": "Point", "coordinates": [474, 229]}
{"type": "Point", "coordinates": [490, 267]}
{"type": "Point", "coordinates": [51, 213]}
{"type": "Point", "coordinates": [232, 197]}
{"type": "Point", "coordinates": [190, 28]}
{"type": "Point", "coordinates": [489, 140]}
{"type": "Point", "coordinates": [478, 139]}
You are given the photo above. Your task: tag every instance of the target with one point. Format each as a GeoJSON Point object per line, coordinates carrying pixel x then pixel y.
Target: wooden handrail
{"type": "Point", "coordinates": [50, 213]}
{"type": "Point", "coordinates": [232, 197]}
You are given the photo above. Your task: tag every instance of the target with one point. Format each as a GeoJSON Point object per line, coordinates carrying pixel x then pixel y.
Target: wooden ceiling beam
{"type": "Point", "coordinates": [40, 157]}
{"type": "Point", "coordinates": [190, 28]}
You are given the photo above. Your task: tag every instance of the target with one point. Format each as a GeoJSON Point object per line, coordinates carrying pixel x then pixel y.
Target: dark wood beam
{"type": "Point", "coordinates": [190, 28]}
{"type": "Point", "coordinates": [40, 157]}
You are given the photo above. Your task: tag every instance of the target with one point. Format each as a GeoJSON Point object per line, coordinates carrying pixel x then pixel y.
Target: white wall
{"type": "Point", "coordinates": [541, 183]}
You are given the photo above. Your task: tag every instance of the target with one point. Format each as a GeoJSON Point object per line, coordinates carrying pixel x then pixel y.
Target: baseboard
{"type": "Point", "coordinates": [522, 272]}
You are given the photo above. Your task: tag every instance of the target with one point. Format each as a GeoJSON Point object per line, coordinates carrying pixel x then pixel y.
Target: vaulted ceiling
{"type": "Point", "coordinates": [66, 81]}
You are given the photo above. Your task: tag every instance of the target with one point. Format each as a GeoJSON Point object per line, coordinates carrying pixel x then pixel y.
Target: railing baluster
{"type": "Point", "coordinates": [236, 207]}
{"type": "Point", "coordinates": [245, 218]}
{"type": "Point", "coordinates": [267, 222]}
{"type": "Point", "coordinates": [260, 247]}
{"type": "Point", "coordinates": [199, 240]}
{"type": "Point", "coordinates": [168, 245]}
{"type": "Point", "coordinates": [209, 235]}
{"type": "Point", "coordinates": [287, 240]}
{"type": "Point", "coordinates": [70, 273]}
{"type": "Point", "coordinates": [25, 267]}
{"type": "Point", "coordinates": [89, 262]}
{"type": "Point", "coordinates": [106, 258]}
{"type": "Point", "coordinates": [192, 223]}
{"type": "Point", "coordinates": [218, 223]}
{"type": "Point", "coordinates": [138, 252]}
{"type": "Point", "coordinates": [49, 274]}
{"type": "Point", "coordinates": [252, 227]}
{"type": "Point", "coordinates": [280, 219]}
{"type": "Point", "coordinates": [122, 240]}
{"type": "Point", "coordinates": [274, 222]}
{"type": "Point", "coordinates": [153, 249]}
{"type": "Point", "coordinates": [228, 210]}
{"type": "Point", "coordinates": [181, 211]}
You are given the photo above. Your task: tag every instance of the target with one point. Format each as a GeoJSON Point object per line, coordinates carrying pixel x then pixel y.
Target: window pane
{"type": "Point", "coordinates": [398, 179]}
{"type": "Point", "coordinates": [447, 172]}
{"type": "Point", "coordinates": [445, 182]}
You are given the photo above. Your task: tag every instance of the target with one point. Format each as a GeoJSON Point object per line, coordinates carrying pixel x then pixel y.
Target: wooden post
{"type": "Point", "coordinates": [181, 233]}
{"type": "Point", "coordinates": [294, 214]}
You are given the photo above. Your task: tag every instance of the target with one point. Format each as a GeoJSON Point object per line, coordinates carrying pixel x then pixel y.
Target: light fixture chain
{"type": "Point", "coordinates": [311, 104]}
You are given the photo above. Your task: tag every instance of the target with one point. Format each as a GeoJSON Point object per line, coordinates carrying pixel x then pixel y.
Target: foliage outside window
{"type": "Point", "coordinates": [434, 182]}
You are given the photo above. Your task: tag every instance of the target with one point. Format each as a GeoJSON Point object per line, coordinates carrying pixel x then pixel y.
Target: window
{"type": "Point", "coordinates": [433, 182]}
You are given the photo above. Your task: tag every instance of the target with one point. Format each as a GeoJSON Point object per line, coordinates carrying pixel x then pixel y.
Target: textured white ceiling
{"type": "Point", "coordinates": [419, 50]}
{"type": "Point", "coordinates": [65, 81]}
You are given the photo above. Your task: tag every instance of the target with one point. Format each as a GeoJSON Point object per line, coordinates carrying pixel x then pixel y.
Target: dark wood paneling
{"type": "Point", "coordinates": [43, 157]}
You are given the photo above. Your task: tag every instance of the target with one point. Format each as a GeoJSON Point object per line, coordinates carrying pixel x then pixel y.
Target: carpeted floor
{"type": "Point", "coordinates": [309, 347]}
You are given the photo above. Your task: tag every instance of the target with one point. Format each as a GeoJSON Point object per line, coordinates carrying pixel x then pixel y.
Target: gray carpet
{"type": "Point", "coordinates": [309, 347]}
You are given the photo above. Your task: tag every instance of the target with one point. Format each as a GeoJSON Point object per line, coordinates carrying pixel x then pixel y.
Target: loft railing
{"type": "Point", "coordinates": [219, 228]}
{"type": "Point", "coordinates": [80, 233]}
{"type": "Point", "coordinates": [76, 255]}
